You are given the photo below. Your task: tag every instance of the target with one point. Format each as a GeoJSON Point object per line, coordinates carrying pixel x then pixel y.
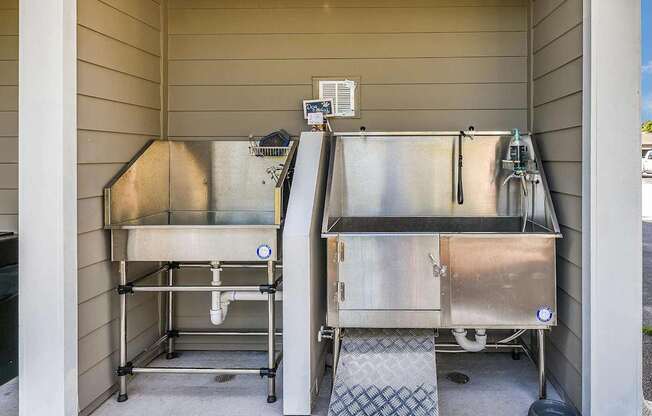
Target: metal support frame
{"type": "Point", "coordinates": [126, 368]}
{"type": "Point", "coordinates": [542, 363]}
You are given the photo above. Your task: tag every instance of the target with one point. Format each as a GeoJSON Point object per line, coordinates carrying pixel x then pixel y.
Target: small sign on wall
{"type": "Point", "coordinates": [324, 107]}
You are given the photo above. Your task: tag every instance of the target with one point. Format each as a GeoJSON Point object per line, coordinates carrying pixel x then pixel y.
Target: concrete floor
{"type": "Point", "coordinates": [498, 386]}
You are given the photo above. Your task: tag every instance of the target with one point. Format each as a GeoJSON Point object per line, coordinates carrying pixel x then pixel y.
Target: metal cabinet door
{"type": "Point", "coordinates": [389, 272]}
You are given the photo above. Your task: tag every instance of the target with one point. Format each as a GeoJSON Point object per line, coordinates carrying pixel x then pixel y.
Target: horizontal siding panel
{"type": "Point", "coordinates": [242, 124]}
{"type": "Point", "coordinates": [99, 82]}
{"type": "Point", "coordinates": [561, 146]}
{"type": "Point", "coordinates": [569, 278]}
{"type": "Point", "coordinates": [96, 279]}
{"type": "Point", "coordinates": [9, 4]}
{"type": "Point", "coordinates": [8, 149]}
{"type": "Point", "coordinates": [560, 21]}
{"type": "Point", "coordinates": [101, 377]}
{"type": "Point", "coordinates": [8, 98]}
{"type": "Point", "coordinates": [304, 46]}
{"type": "Point", "coordinates": [444, 96]}
{"type": "Point", "coordinates": [102, 309]}
{"type": "Point", "coordinates": [347, 20]}
{"type": "Point", "coordinates": [374, 97]}
{"type": "Point", "coordinates": [92, 248]}
{"type": "Point", "coordinates": [543, 8]}
{"type": "Point", "coordinates": [8, 48]}
{"type": "Point", "coordinates": [8, 72]}
{"type": "Point", "coordinates": [9, 222]}
{"type": "Point", "coordinates": [293, 4]}
{"type": "Point", "coordinates": [8, 201]}
{"type": "Point", "coordinates": [570, 247]}
{"type": "Point", "coordinates": [101, 50]}
{"type": "Point", "coordinates": [568, 344]}
{"type": "Point", "coordinates": [563, 50]}
{"type": "Point", "coordinates": [570, 312]}
{"type": "Point", "coordinates": [108, 147]}
{"type": "Point", "coordinates": [102, 18]}
{"type": "Point", "coordinates": [8, 21]}
{"type": "Point", "coordinates": [371, 71]}
{"type": "Point", "coordinates": [102, 342]}
{"type": "Point", "coordinates": [9, 176]}
{"type": "Point", "coordinates": [91, 179]}
{"type": "Point", "coordinates": [103, 115]}
{"type": "Point", "coordinates": [564, 81]}
{"type": "Point", "coordinates": [102, 277]}
{"type": "Point", "coordinates": [557, 115]}
{"type": "Point", "coordinates": [90, 214]}
{"type": "Point", "coordinates": [146, 11]}
{"type": "Point", "coordinates": [8, 124]}
{"type": "Point", "coordinates": [568, 209]}
{"type": "Point", "coordinates": [564, 177]}
{"type": "Point", "coordinates": [238, 98]}
{"type": "Point", "coordinates": [564, 373]}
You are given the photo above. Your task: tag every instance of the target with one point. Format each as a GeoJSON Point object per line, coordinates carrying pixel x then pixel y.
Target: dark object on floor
{"type": "Point", "coordinates": [224, 378]}
{"type": "Point", "coordinates": [551, 408]}
{"type": "Point", "coordinates": [279, 138]}
{"type": "Point", "coordinates": [458, 378]}
{"type": "Point", "coordinates": [8, 308]}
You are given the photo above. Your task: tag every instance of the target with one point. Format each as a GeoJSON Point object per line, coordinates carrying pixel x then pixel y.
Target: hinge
{"type": "Point", "coordinates": [340, 251]}
{"type": "Point", "coordinates": [341, 293]}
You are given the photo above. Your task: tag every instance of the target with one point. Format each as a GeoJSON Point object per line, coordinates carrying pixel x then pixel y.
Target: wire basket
{"type": "Point", "coordinates": [267, 151]}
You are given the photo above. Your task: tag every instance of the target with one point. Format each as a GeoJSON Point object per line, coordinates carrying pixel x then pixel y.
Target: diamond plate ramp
{"type": "Point", "coordinates": [386, 372]}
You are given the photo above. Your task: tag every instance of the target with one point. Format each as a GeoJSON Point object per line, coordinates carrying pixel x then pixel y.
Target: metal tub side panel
{"type": "Point", "coordinates": [142, 188]}
{"type": "Point", "coordinates": [193, 244]}
{"type": "Point", "coordinates": [222, 176]}
{"type": "Point", "coordinates": [417, 176]}
{"type": "Point", "coordinates": [498, 282]}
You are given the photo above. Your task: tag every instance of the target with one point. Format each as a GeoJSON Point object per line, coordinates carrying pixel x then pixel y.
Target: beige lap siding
{"type": "Point", "coordinates": [557, 117]}
{"type": "Point", "coordinates": [9, 115]}
{"type": "Point", "coordinates": [119, 110]}
{"type": "Point", "coordinates": [242, 67]}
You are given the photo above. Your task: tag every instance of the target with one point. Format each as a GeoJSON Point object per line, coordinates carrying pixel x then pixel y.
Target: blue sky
{"type": "Point", "coordinates": [647, 60]}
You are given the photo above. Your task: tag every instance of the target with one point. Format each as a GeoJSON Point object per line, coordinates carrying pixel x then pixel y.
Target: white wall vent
{"type": "Point", "coordinates": [342, 92]}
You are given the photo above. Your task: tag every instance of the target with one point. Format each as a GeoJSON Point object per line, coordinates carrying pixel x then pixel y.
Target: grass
{"type": "Point", "coordinates": [647, 330]}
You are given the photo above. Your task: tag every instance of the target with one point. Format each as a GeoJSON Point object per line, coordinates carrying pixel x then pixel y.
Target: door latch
{"type": "Point", "coordinates": [341, 294]}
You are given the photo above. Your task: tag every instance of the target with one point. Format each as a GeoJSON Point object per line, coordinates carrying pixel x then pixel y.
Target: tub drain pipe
{"type": "Point", "coordinates": [471, 346]}
{"type": "Point", "coordinates": [220, 300]}
{"type": "Point", "coordinates": [218, 311]}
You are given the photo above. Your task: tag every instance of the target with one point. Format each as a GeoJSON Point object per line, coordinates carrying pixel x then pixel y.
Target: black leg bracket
{"type": "Point", "coordinates": [268, 372]}
{"type": "Point", "coordinates": [126, 289]}
{"type": "Point", "coordinates": [127, 370]}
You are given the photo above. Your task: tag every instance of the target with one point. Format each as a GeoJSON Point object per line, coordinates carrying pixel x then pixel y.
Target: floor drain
{"type": "Point", "coordinates": [458, 378]}
{"type": "Point", "coordinates": [224, 378]}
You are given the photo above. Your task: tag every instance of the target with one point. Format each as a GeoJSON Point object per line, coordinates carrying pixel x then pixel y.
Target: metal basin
{"type": "Point", "coordinates": [199, 201]}
{"type": "Point", "coordinates": [403, 252]}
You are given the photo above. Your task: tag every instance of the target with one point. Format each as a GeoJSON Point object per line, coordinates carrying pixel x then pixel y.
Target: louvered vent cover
{"type": "Point", "coordinates": [343, 95]}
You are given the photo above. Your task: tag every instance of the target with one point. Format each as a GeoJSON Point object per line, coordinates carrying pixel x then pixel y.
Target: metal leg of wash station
{"type": "Point", "coordinates": [127, 368]}
{"type": "Point", "coordinates": [271, 335]}
{"type": "Point", "coordinates": [122, 370]}
{"type": "Point", "coordinates": [170, 318]}
{"type": "Point", "coordinates": [542, 363]}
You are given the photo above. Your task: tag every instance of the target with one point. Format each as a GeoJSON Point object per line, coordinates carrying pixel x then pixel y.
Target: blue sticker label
{"type": "Point", "coordinates": [544, 314]}
{"type": "Point", "coordinates": [264, 252]}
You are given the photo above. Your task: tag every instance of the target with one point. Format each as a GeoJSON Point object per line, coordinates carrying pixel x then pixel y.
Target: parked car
{"type": "Point", "coordinates": [646, 163]}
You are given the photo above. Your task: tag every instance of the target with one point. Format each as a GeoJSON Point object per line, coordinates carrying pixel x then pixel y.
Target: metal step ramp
{"type": "Point", "coordinates": [386, 372]}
